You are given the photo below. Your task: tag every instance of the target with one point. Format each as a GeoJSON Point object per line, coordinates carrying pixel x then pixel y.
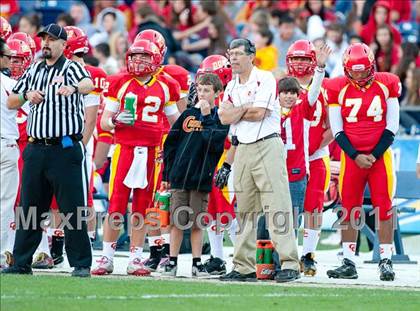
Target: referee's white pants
{"type": "Point", "coordinates": [9, 186]}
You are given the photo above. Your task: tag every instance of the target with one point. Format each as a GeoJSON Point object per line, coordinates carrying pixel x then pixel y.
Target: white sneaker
{"type": "Point", "coordinates": [137, 268]}
{"type": "Point", "coordinates": [169, 270]}
{"type": "Point", "coordinates": [104, 266]}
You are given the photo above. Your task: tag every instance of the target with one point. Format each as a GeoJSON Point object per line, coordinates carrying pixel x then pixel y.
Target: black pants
{"type": "Point", "coordinates": [48, 171]}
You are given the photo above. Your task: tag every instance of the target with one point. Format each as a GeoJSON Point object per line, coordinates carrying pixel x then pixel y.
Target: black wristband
{"type": "Point", "coordinates": [76, 88]}
{"type": "Point", "coordinates": [384, 143]}
{"type": "Point", "coordinates": [25, 96]}
{"type": "Point", "coordinates": [344, 142]}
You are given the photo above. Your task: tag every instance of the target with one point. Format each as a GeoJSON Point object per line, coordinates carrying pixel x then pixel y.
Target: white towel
{"type": "Point", "coordinates": [137, 174]}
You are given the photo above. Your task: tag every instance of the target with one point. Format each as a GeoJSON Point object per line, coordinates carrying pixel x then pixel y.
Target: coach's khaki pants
{"type": "Point", "coordinates": [261, 184]}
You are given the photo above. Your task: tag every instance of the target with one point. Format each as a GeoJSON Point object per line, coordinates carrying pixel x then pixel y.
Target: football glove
{"type": "Point", "coordinates": [222, 176]}
{"type": "Point", "coordinates": [123, 117]}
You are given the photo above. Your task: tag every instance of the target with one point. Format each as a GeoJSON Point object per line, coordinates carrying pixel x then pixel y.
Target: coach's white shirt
{"type": "Point", "coordinates": [260, 91]}
{"type": "Point", "coordinates": [9, 128]}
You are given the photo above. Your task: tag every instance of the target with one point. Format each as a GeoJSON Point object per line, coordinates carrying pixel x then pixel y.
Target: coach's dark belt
{"type": "Point", "coordinates": [53, 141]}
{"type": "Point", "coordinates": [262, 139]}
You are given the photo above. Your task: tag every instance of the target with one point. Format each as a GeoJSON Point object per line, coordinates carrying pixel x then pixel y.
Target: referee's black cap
{"type": "Point", "coordinates": [55, 31]}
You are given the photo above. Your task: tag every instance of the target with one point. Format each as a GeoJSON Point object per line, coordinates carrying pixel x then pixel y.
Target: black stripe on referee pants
{"type": "Point", "coordinates": [84, 174]}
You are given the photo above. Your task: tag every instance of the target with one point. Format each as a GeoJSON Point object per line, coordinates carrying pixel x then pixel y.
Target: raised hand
{"type": "Point", "coordinates": [322, 54]}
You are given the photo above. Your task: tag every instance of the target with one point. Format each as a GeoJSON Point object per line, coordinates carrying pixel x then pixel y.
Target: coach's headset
{"type": "Point", "coordinates": [246, 43]}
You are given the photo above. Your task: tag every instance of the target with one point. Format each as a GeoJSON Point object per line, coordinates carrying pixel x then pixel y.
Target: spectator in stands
{"type": "Point", "coordinates": [181, 15]}
{"type": "Point", "coordinates": [109, 21]}
{"type": "Point", "coordinates": [118, 45]}
{"type": "Point", "coordinates": [400, 10]}
{"type": "Point", "coordinates": [410, 53]}
{"type": "Point", "coordinates": [145, 18]}
{"type": "Point", "coordinates": [317, 7]}
{"type": "Point", "coordinates": [288, 34]}
{"type": "Point", "coordinates": [81, 16]}
{"type": "Point", "coordinates": [31, 24]}
{"type": "Point", "coordinates": [379, 16]}
{"type": "Point", "coordinates": [259, 20]}
{"type": "Point", "coordinates": [216, 41]}
{"type": "Point", "coordinates": [266, 55]}
{"type": "Point", "coordinates": [64, 20]}
{"type": "Point", "coordinates": [106, 61]}
{"type": "Point", "coordinates": [412, 82]}
{"type": "Point", "coordinates": [355, 39]}
{"type": "Point", "coordinates": [387, 53]}
{"type": "Point", "coordinates": [336, 41]}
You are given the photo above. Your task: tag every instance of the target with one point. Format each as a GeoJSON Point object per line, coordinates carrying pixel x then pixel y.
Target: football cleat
{"type": "Point", "coordinates": [199, 271]}
{"type": "Point", "coordinates": [43, 261]}
{"type": "Point", "coordinates": [346, 271]}
{"type": "Point", "coordinates": [307, 264]}
{"type": "Point", "coordinates": [164, 261]}
{"type": "Point", "coordinates": [169, 270]}
{"type": "Point", "coordinates": [152, 263]}
{"type": "Point", "coordinates": [104, 266]}
{"type": "Point", "coordinates": [215, 266]}
{"type": "Point", "coordinates": [137, 268]}
{"type": "Point", "coordinates": [386, 273]}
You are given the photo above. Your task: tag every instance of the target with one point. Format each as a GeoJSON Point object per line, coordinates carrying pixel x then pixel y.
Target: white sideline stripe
{"type": "Point", "coordinates": [168, 296]}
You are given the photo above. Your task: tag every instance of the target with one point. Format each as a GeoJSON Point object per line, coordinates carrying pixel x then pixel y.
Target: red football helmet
{"type": "Point", "coordinates": [5, 28]}
{"type": "Point", "coordinates": [154, 36]}
{"type": "Point", "coordinates": [359, 57]}
{"type": "Point", "coordinates": [21, 57]}
{"type": "Point", "coordinates": [218, 65]}
{"type": "Point", "coordinates": [23, 36]}
{"type": "Point", "coordinates": [140, 67]}
{"type": "Point", "coordinates": [77, 42]}
{"type": "Point", "coordinates": [301, 49]}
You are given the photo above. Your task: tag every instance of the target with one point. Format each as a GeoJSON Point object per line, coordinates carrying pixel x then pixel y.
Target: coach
{"type": "Point", "coordinates": [260, 176]}
{"type": "Point", "coordinates": [54, 159]}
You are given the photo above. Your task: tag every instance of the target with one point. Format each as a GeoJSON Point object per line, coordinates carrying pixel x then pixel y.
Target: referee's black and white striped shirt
{"type": "Point", "coordinates": [56, 115]}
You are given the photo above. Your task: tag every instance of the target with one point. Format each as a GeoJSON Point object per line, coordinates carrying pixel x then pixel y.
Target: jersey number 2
{"type": "Point", "coordinates": [153, 105]}
{"type": "Point", "coordinates": [375, 109]}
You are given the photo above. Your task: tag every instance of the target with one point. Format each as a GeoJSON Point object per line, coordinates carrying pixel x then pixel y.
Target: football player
{"type": "Point", "coordinates": [364, 117]}
{"type": "Point", "coordinates": [301, 60]}
{"type": "Point", "coordinates": [136, 103]}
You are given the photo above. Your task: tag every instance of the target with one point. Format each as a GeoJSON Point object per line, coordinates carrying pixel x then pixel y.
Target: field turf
{"type": "Point", "coordinates": [46, 292]}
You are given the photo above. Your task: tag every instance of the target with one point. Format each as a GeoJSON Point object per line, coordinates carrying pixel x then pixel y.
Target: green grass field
{"type": "Point", "coordinates": [45, 293]}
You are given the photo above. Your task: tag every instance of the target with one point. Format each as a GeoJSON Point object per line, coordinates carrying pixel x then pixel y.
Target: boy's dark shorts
{"type": "Point", "coordinates": [186, 205]}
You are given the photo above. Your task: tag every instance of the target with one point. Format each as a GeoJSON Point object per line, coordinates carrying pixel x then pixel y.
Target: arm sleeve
{"type": "Point", "coordinates": [266, 92]}
{"type": "Point", "coordinates": [22, 84]}
{"type": "Point", "coordinates": [77, 73]}
{"type": "Point", "coordinates": [392, 115]}
{"type": "Point", "coordinates": [170, 146]}
{"type": "Point", "coordinates": [336, 120]}
{"type": "Point", "coordinates": [214, 134]}
{"type": "Point", "coordinates": [315, 88]}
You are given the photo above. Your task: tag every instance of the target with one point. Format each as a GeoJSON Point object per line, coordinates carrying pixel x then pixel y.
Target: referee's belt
{"type": "Point", "coordinates": [262, 139]}
{"type": "Point", "coordinates": [54, 140]}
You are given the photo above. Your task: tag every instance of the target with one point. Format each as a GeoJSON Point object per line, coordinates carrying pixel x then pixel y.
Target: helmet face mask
{"type": "Point", "coordinates": [359, 64]}
{"type": "Point", "coordinates": [143, 58]}
{"type": "Point", "coordinates": [21, 57]}
{"type": "Point", "coordinates": [301, 58]}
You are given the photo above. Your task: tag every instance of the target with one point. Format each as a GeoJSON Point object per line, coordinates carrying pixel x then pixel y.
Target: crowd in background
{"type": "Point", "coordinates": [195, 29]}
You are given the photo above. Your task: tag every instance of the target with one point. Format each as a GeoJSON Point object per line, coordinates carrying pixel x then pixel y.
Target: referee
{"type": "Point", "coordinates": [54, 159]}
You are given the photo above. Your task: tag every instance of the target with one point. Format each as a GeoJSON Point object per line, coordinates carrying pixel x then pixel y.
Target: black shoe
{"type": "Point", "coordinates": [287, 275]}
{"type": "Point", "coordinates": [152, 263]}
{"type": "Point", "coordinates": [81, 272]}
{"type": "Point", "coordinates": [235, 276]}
{"type": "Point", "coordinates": [385, 270]}
{"type": "Point", "coordinates": [17, 270]}
{"type": "Point", "coordinates": [307, 264]}
{"type": "Point", "coordinates": [57, 259]}
{"type": "Point", "coordinates": [346, 271]}
{"type": "Point", "coordinates": [215, 266]}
